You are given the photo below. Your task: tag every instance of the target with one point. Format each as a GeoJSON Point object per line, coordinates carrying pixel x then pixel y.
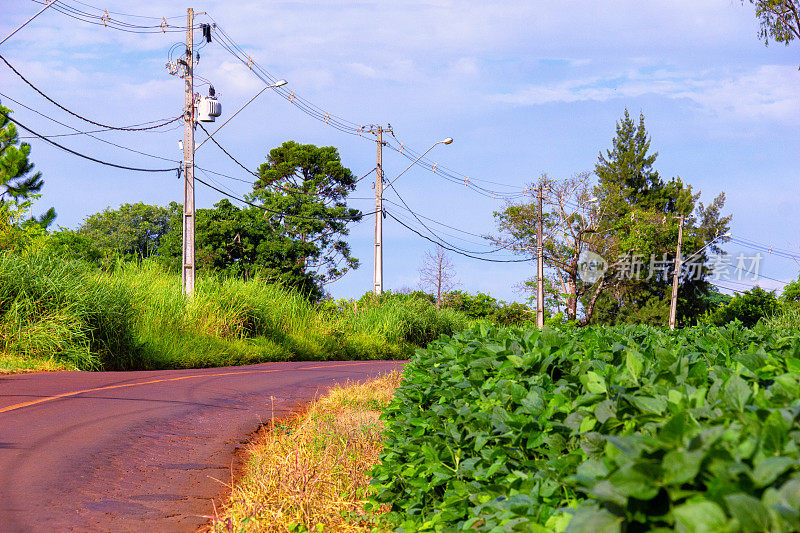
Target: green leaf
{"type": "Point", "coordinates": [649, 404]}
{"type": "Point", "coordinates": [737, 392]}
{"type": "Point", "coordinates": [593, 444]}
{"type": "Point", "coordinates": [751, 513]}
{"type": "Point", "coordinates": [793, 365]}
{"type": "Point", "coordinates": [681, 466]}
{"type": "Point", "coordinates": [593, 520]}
{"type": "Point", "coordinates": [605, 491]}
{"type": "Point", "coordinates": [587, 424]}
{"type": "Point", "coordinates": [594, 383]}
{"type": "Point", "coordinates": [699, 517]}
{"type": "Point", "coordinates": [605, 410]}
{"type": "Point", "coordinates": [768, 470]}
{"type": "Point", "coordinates": [752, 361]}
{"type": "Point", "coordinates": [634, 364]}
{"type": "Point", "coordinates": [774, 434]}
{"type": "Point", "coordinates": [480, 441]}
{"type": "Point", "coordinates": [637, 479]}
{"type": "Point", "coordinates": [558, 522]}
{"type": "Point", "coordinates": [674, 397]}
{"type": "Point", "coordinates": [674, 430]}
{"type": "Point", "coordinates": [516, 360]}
{"type": "Point", "coordinates": [593, 469]}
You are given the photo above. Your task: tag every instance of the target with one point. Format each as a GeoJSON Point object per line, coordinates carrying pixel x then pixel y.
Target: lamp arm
{"type": "Point", "coordinates": [413, 163]}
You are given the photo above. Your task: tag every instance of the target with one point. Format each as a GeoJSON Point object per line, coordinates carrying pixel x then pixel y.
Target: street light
{"type": "Point", "coordinates": [378, 272]}
{"type": "Point", "coordinates": [448, 140]}
{"type": "Point", "coordinates": [706, 246]}
{"type": "Point", "coordinates": [279, 83]}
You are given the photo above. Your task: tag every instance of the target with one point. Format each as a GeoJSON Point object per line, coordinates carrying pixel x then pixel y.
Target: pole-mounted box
{"type": "Point", "coordinates": [208, 109]}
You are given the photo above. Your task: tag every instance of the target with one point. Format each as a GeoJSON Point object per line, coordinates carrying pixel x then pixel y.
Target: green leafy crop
{"type": "Point", "coordinates": [597, 429]}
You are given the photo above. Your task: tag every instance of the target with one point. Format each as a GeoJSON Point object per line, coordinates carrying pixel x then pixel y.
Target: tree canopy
{"type": "Point", "coordinates": [641, 217]}
{"type": "Point", "coordinates": [293, 233]}
{"type": "Point", "coordinates": [747, 307]}
{"type": "Point", "coordinates": [133, 231]}
{"type": "Point", "coordinates": [305, 187]}
{"type": "Point", "coordinates": [627, 225]}
{"type": "Point", "coordinates": [778, 19]}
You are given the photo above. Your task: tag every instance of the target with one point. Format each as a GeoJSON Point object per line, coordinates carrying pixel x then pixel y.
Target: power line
{"type": "Point", "coordinates": [27, 21]}
{"type": "Point", "coordinates": [126, 14]}
{"type": "Point", "coordinates": [434, 221]}
{"type": "Point", "coordinates": [88, 134]}
{"type": "Point", "coordinates": [453, 176]}
{"type": "Point", "coordinates": [724, 287]}
{"type": "Point", "coordinates": [336, 122]}
{"type": "Point", "coordinates": [451, 245]}
{"type": "Point", "coordinates": [285, 189]}
{"type": "Point", "coordinates": [456, 251]}
{"type": "Point", "coordinates": [353, 128]}
{"type": "Point", "coordinates": [438, 237]}
{"type": "Point", "coordinates": [86, 156]}
{"type": "Point", "coordinates": [228, 153]}
{"type": "Point", "coordinates": [206, 174]}
{"type": "Point", "coordinates": [224, 175]}
{"type": "Point", "coordinates": [753, 245]}
{"type": "Point", "coordinates": [107, 21]}
{"type": "Point", "coordinates": [79, 116]}
{"type": "Point", "coordinates": [281, 213]}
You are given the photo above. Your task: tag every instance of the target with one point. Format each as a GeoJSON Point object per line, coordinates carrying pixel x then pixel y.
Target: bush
{"type": "Point", "coordinates": [748, 308]}
{"type": "Point", "coordinates": [485, 307]}
{"type": "Point", "coordinates": [596, 429]}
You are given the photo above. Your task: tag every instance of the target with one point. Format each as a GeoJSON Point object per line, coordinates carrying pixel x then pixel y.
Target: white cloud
{"type": "Point", "coordinates": [149, 89]}
{"type": "Point", "coordinates": [464, 66]}
{"type": "Point", "coordinates": [401, 70]}
{"type": "Point", "coordinates": [236, 78]}
{"type": "Point", "coordinates": [766, 92]}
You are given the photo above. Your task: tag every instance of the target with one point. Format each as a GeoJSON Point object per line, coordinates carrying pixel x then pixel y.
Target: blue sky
{"type": "Point", "coordinates": [524, 88]}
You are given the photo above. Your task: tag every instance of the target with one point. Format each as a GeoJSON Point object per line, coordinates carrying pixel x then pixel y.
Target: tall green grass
{"type": "Point", "coordinates": [788, 317]}
{"type": "Point", "coordinates": [136, 317]}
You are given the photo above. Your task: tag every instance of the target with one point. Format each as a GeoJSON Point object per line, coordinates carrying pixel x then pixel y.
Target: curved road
{"type": "Point", "coordinates": [136, 451]}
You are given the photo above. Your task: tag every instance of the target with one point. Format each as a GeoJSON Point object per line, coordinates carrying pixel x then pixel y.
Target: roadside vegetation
{"type": "Point", "coordinates": [628, 428]}
{"type": "Point", "coordinates": [61, 314]}
{"type": "Point", "coordinates": [311, 473]}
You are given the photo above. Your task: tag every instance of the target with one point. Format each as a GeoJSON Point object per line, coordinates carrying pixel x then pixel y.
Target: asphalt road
{"type": "Point", "coordinates": [140, 451]}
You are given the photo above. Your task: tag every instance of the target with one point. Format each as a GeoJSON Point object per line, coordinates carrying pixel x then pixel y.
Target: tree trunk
{"type": "Point", "coordinates": [590, 306]}
{"type": "Point", "coordinates": [439, 286]}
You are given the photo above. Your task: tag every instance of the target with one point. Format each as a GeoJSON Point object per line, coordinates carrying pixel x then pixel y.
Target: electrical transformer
{"type": "Point", "coordinates": [208, 109]}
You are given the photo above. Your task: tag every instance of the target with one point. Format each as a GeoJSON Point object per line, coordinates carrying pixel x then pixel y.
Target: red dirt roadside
{"type": "Point", "coordinates": [140, 451]}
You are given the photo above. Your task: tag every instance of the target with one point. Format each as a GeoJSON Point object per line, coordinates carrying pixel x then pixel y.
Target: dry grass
{"type": "Point", "coordinates": [15, 364]}
{"type": "Point", "coordinates": [310, 474]}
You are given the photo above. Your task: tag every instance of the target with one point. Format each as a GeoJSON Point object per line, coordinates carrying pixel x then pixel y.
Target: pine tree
{"type": "Point", "coordinates": [643, 212]}
{"type": "Point", "coordinates": [17, 182]}
{"type": "Point", "coordinates": [628, 167]}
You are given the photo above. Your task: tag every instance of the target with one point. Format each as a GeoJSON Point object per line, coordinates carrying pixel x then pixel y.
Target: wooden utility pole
{"type": "Point", "coordinates": [188, 161]}
{"type": "Point", "coordinates": [673, 306]}
{"type": "Point", "coordinates": [539, 264]}
{"type": "Point", "coordinates": [377, 284]}
{"type": "Point", "coordinates": [377, 280]}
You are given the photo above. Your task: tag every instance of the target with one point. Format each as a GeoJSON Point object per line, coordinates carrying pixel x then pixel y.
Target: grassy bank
{"type": "Point", "coordinates": [57, 314]}
{"type": "Point", "coordinates": [311, 473]}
